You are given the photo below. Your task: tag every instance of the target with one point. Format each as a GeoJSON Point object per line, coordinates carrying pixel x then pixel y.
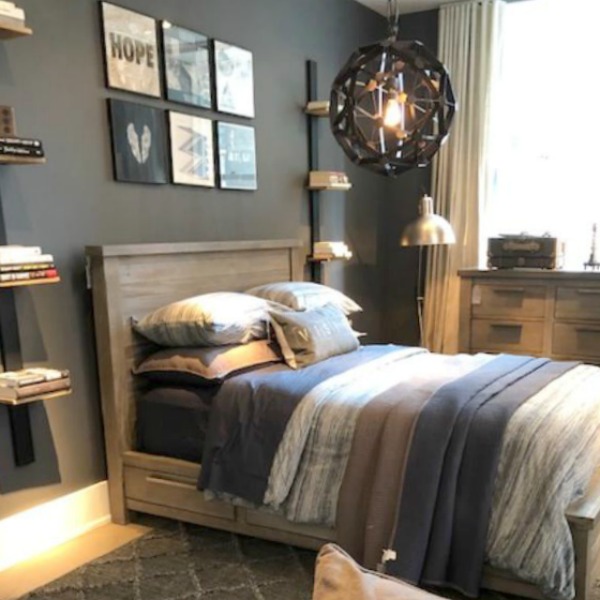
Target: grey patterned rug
{"type": "Point", "coordinates": [177, 561]}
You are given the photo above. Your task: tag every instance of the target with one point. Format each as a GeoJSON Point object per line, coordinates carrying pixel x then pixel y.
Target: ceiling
{"type": "Point", "coordinates": [405, 6]}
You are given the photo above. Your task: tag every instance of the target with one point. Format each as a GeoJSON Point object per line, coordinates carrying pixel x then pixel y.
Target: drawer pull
{"type": "Point", "coordinates": [506, 326]}
{"type": "Point", "coordinates": [509, 290]}
{"type": "Point", "coordinates": [587, 329]}
{"type": "Point", "coordinates": [589, 292]}
{"type": "Point", "coordinates": [173, 482]}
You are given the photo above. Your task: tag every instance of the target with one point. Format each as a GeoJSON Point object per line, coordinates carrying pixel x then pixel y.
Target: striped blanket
{"type": "Point", "coordinates": [336, 444]}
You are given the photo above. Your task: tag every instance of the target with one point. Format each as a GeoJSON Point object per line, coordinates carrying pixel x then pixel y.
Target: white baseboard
{"type": "Point", "coordinates": [43, 527]}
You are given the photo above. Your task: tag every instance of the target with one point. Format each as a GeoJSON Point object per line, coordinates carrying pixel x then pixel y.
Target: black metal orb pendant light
{"type": "Point", "coordinates": [392, 104]}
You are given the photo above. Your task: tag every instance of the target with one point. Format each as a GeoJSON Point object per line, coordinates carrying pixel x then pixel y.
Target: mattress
{"type": "Point", "coordinates": [173, 421]}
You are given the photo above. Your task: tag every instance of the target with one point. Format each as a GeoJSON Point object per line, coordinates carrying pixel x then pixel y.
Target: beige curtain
{"type": "Point", "coordinates": [469, 46]}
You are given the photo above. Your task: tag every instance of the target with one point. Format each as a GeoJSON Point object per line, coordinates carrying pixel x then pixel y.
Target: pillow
{"type": "Point", "coordinates": [215, 319]}
{"type": "Point", "coordinates": [338, 577]}
{"type": "Point", "coordinates": [314, 335]}
{"type": "Point", "coordinates": [304, 295]}
{"type": "Point", "coordinates": [206, 366]}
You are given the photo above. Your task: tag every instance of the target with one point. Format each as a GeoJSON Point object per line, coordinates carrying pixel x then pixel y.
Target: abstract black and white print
{"type": "Point", "coordinates": [234, 80]}
{"type": "Point", "coordinates": [187, 66]}
{"type": "Point", "coordinates": [237, 157]}
{"type": "Point", "coordinates": [131, 50]}
{"type": "Point", "coordinates": [192, 155]}
{"type": "Point", "coordinates": [139, 142]}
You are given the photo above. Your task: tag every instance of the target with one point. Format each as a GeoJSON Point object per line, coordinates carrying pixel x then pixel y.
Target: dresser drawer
{"type": "Point", "coordinates": [577, 340]}
{"type": "Point", "coordinates": [518, 301]}
{"type": "Point", "coordinates": [578, 303]}
{"type": "Point", "coordinates": [175, 492]}
{"type": "Point", "coordinates": [505, 336]}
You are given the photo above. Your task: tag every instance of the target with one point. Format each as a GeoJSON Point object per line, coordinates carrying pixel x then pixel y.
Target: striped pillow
{"type": "Point", "coordinates": [313, 335]}
{"type": "Point", "coordinates": [304, 295]}
{"type": "Point", "coordinates": [215, 319]}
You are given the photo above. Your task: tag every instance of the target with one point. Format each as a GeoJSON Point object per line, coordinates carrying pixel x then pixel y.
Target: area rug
{"type": "Point", "coordinates": [178, 561]}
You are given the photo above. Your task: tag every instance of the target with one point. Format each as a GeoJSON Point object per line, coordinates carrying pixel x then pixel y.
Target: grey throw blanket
{"type": "Point", "coordinates": [445, 507]}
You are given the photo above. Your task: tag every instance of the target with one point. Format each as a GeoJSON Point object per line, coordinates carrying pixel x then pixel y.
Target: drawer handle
{"type": "Point", "coordinates": [172, 482]}
{"type": "Point", "coordinates": [506, 326]}
{"type": "Point", "coordinates": [587, 329]}
{"type": "Point", "coordinates": [589, 292]}
{"type": "Point", "coordinates": [509, 290]}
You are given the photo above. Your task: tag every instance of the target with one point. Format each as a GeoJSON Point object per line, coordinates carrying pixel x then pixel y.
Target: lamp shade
{"type": "Point", "coordinates": [429, 229]}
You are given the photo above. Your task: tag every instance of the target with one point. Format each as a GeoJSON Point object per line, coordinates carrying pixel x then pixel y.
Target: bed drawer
{"type": "Point", "coordinates": [507, 336]}
{"type": "Point", "coordinates": [578, 340]}
{"type": "Point", "coordinates": [172, 491]}
{"type": "Point", "coordinates": [578, 303]}
{"type": "Point", "coordinates": [518, 301]}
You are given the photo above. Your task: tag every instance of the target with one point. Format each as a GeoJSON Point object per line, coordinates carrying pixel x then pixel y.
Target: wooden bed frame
{"type": "Point", "coordinates": [131, 280]}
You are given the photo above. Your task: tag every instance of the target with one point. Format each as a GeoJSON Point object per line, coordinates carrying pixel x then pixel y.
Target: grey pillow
{"type": "Point", "coordinates": [304, 295]}
{"type": "Point", "coordinates": [313, 335]}
{"type": "Point", "coordinates": [214, 319]}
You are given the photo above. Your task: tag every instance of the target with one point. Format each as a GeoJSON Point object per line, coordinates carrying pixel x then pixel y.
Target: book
{"type": "Point", "coordinates": [12, 12]}
{"type": "Point", "coordinates": [27, 267]}
{"type": "Point", "coordinates": [331, 180]}
{"type": "Point", "coordinates": [31, 376]}
{"type": "Point", "coordinates": [19, 251]}
{"type": "Point", "coordinates": [28, 275]}
{"type": "Point", "coordinates": [16, 150]}
{"type": "Point", "coordinates": [7, 5]}
{"type": "Point", "coordinates": [16, 394]}
{"type": "Point", "coordinates": [16, 259]}
{"type": "Point", "coordinates": [28, 142]}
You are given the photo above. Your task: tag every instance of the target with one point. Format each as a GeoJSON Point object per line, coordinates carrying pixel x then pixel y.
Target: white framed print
{"type": "Point", "coordinates": [234, 75]}
{"type": "Point", "coordinates": [192, 152]}
{"type": "Point", "coordinates": [237, 157]}
{"type": "Point", "coordinates": [131, 56]}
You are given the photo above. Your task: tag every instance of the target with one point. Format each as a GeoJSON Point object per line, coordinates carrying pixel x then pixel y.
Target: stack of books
{"type": "Point", "coordinates": [11, 15]}
{"type": "Point", "coordinates": [24, 147]}
{"type": "Point", "coordinates": [25, 263]}
{"type": "Point", "coordinates": [28, 384]}
{"type": "Point", "coordinates": [328, 180]}
{"type": "Point", "coordinates": [331, 251]}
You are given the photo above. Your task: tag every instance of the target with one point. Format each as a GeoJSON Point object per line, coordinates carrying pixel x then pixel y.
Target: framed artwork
{"type": "Point", "coordinates": [139, 142]}
{"type": "Point", "coordinates": [234, 75]}
{"type": "Point", "coordinates": [192, 154]}
{"type": "Point", "coordinates": [186, 66]}
{"type": "Point", "coordinates": [237, 157]}
{"type": "Point", "coordinates": [130, 50]}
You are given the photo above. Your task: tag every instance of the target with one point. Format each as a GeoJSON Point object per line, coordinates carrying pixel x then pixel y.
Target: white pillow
{"type": "Point", "coordinates": [304, 295]}
{"type": "Point", "coordinates": [214, 319]}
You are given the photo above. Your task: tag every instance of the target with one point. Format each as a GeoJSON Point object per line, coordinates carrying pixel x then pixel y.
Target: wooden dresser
{"type": "Point", "coordinates": [541, 313]}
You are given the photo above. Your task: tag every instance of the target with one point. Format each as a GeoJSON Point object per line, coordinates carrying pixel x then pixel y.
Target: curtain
{"type": "Point", "coordinates": [469, 47]}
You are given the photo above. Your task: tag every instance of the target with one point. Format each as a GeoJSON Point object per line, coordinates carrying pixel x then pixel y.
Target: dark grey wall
{"type": "Point", "coordinates": [55, 81]}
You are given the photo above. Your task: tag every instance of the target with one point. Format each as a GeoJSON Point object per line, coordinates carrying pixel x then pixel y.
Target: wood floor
{"type": "Point", "coordinates": [51, 565]}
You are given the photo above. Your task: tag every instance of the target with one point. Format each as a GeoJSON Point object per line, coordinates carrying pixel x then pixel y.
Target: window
{"type": "Point", "coordinates": [545, 125]}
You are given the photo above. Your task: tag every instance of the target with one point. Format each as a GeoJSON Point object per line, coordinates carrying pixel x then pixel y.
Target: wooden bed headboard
{"type": "Point", "coordinates": [131, 280]}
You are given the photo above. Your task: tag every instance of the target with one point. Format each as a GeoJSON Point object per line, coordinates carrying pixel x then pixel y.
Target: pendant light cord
{"type": "Point", "coordinates": [393, 18]}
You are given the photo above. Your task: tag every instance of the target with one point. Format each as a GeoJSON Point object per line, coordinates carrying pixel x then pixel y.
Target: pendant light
{"type": "Point", "coordinates": [392, 104]}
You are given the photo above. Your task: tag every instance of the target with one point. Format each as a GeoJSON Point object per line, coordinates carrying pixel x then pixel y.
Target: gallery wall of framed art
{"type": "Point", "coordinates": [150, 57]}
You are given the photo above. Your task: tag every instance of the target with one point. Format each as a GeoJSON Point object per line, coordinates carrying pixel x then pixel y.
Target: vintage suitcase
{"type": "Point", "coordinates": [525, 252]}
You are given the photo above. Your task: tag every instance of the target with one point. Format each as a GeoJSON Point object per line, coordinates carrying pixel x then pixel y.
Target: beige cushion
{"type": "Point", "coordinates": [338, 577]}
{"type": "Point", "coordinates": [314, 335]}
{"type": "Point", "coordinates": [214, 319]}
{"type": "Point", "coordinates": [304, 295]}
{"type": "Point", "coordinates": [206, 366]}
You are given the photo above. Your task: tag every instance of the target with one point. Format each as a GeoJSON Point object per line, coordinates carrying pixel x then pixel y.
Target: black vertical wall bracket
{"type": "Point", "coordinates": [316, 270]}
{"type": "Point", "coordinates": [12, 360]}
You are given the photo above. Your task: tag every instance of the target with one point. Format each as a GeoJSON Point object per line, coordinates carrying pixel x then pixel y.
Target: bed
{"type": "Point", "coordinates": [132, 280]}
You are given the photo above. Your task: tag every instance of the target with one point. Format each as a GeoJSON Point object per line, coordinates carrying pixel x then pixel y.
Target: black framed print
{"type": "Point", "coordinates": [186, 56]}
{"type": "Point", "coordinates": [234, 74]}
{"type": "Point", "coordinates": [130, 50]}
{"type": "Point", "coordinates": [237, 157]}
{"type": "Point", "coordinates": [192, 154]}
{"type": "Point", "coordinates": [139, 142]}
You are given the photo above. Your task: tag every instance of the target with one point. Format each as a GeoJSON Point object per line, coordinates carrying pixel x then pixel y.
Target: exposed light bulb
{"type": "Point", "coordinates": [392, 115]}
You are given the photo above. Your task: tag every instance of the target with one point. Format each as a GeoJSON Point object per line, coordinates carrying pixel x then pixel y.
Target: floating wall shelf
{"type": "Point", "coordinates": [9, 32]}
{"type": "Point", "coordinates": [49, 396]}
{"type": "Point", "coordinates": [45, 281]}
{"type": "Point", "coordinates": [328, 180]}
{"type": "Point", "coordinates": [317, 108]}
{"type": "Point", "coordinates": [21, 160]}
